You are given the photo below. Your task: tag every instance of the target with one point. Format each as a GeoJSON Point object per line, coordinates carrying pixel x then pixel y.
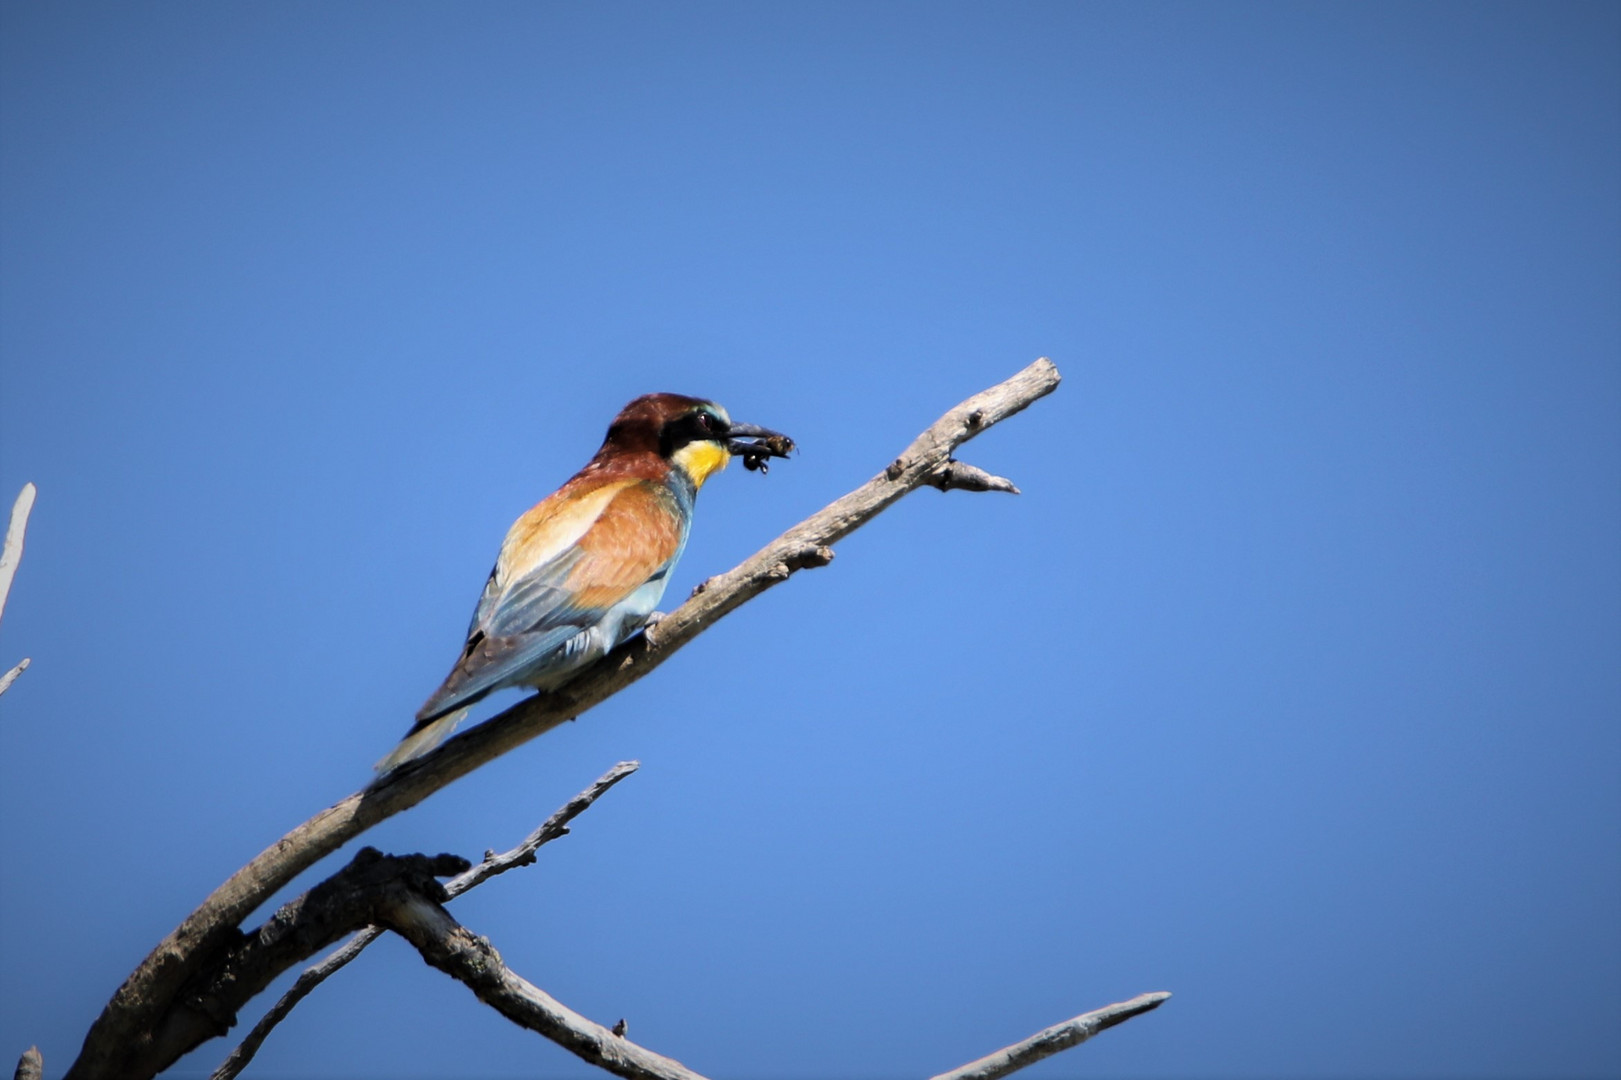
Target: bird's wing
{"type": "Point", "coordinates": [539, 540]}
{"type": "Point", "coordinates": [635, 535]}
{"type": "Point", "coordinates": [533, 606]}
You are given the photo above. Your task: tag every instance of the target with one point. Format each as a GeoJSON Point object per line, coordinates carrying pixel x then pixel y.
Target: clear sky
{"type": "Point", "coordinates": [1291, 684]}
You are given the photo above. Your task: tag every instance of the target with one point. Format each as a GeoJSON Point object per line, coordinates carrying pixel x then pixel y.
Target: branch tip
{"type": "Point", "coordinates": [31, 1066]}
{"type": "Point", "coordinates": [11, 676]}
{"type": "Point", "coordinates": [1059, 1037]}
{"type": "Point", "coordinates": [957, 475]}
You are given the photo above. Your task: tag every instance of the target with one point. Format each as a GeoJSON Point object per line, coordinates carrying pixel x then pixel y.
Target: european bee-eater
{"type": "Point", "coordinates": [585, 568]}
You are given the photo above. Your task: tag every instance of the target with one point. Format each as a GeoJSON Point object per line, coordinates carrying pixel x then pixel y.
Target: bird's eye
{"type": "Point", "coordinates": [706, 421]}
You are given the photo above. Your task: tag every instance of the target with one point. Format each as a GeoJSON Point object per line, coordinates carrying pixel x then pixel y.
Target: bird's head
{"type": "Point", "coordinates": [696, 436]}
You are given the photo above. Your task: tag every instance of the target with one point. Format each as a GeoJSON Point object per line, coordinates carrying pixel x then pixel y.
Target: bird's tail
{"type": "Point", "coordinates": [421, 740]}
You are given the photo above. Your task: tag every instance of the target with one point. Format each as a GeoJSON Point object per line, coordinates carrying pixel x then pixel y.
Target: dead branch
{"type": "Point", "coordinates": [353, 898]}
{"type": "Point", "coordinates": [452, 948]}
{"type": "Point", "coordinates": [960, 476]}
{"type": "Point", "coordinates": [31, 1066]}
{"type": "Point", "coordinates": [11, 676]}
{"type": "Point", "coordinates": [1059, 1037]}
{"type": "Point", "coordinates": [551, 829]}
{"type": "Point", "coordinates": [409, 903]}
{"type": "Point", "coordinates": [307, 980]}
{"type": "Point", "coordinates": [11, 553]}
{"type": "Point", "coordinates": [122, 1042]}
{"type": "Point", "coordinates": [473, 961]}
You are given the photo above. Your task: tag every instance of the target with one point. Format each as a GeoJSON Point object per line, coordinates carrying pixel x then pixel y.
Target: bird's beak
{"type": "Point", "coordinates": [768, 444]}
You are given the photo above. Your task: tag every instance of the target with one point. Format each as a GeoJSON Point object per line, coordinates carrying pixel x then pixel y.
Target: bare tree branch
{"type": "Point", "coordinates": [401, 894]}
{"type": "Point", "coordinates": [121, 1042]}
{"type": "Point", "coordinates": [551, 829]}
{"type": "Point", "coordinates": [959, 476]}
{"type": "Point", "coordinates": [11, 553]}
{"type": "Point", "coordinates": [31, 1066]}
{"type": "Point", "coordinates": [554, 827]}
{"type": "Point", "coordinates": [1059, 1037]}
{"type": "Point", "coordinates": [307, 980]}
{"type": "Point", "coordinates": [472, 960]}
{"type": "Point", "coordinates": [11, 676]}
{"type": "Point", "coordinates": [349, 900]}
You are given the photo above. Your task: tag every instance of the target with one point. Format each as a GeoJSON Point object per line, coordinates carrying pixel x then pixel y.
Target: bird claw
{"type": "Point", "coordinates": [651, 624]}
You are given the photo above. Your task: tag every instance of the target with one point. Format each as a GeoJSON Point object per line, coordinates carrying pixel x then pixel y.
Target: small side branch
{"type": "Point", "coordinates": [551, 829]}
{"type": "Point", "coordinates": [307, 980]}
{"type": "Point", "coordinates": [957, 475]}
{"type": "Point", "coordinates": [11, 554]}
{"type": "Point", "coordinates": [31, 1066]}
{"type": "Point", "coordinates": [349, 900]}
{"type": "Point", "coordinates": [1059, 1037]}
{"type": "Point", "coordinates": [447, 945]}
{"type": "Point", "coordinates": [11, 676]}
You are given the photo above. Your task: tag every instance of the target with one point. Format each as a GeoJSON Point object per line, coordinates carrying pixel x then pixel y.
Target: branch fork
{"type": "Point", "coordinates": [121, 1042]}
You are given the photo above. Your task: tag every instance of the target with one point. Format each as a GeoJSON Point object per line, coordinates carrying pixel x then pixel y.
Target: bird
{"type": "Point", "coordinates": [585, 568]}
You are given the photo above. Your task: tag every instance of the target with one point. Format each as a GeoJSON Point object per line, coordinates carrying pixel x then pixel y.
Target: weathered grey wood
{"type": "Point", "coordinates": [960, 476]}
{"type": "Point", "coordinates": [121, 1041]}
{"type": "Point", "coordinates": [11, 551]}
{"type": "Point", "coordinates": [31, 1066]}
{"type": "Point", "coordinates": [1059, 1037]}
{"type": "Point", "coordinates": [11, 676]}
{"type": "Point", "coordinates": [349, 900]}
{"type": "Point", "coordinates": [401, 894]}
{"type": "Point", "coordinates": [307, 980]}
{"type": "Point", "coordinates": [551, 829]}
{"type": "Point", "coordinates": [473, 961]}
{"type": "Point", "coordinates": [11, 554]}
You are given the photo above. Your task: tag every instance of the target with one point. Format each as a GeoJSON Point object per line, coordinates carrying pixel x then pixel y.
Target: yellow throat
{"type": "Point", "coordinates": [699, 459]}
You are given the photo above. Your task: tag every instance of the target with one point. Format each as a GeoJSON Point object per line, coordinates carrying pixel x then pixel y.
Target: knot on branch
{"type": "Point", "coordinates": [956, 475]}
{"type": "Point", "coordinates": [372, 871]}
{"type": "Point", "coordinates": [349, 900]}
{"type": "Point", "coordinates": [809, 556]}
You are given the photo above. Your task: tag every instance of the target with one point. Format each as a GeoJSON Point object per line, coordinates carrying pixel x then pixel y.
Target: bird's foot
{"type": "Point", "coordinates": [651, 624]}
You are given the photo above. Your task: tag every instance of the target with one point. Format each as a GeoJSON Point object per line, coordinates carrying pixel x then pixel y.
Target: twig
{"type": "Point", "coordinates": [960, 476]}
{"type": "Point", "coordinates": [307, 980]}
{"type": "Point", "coordinates": [554, 827]}
{"type": "Point", "coordinates": [31, 1066]}
{"type": "Point", "coordinates": [1058, 1037]}
{"type": "Point", "coordinates": [450, 947]}
{"type": "Point", "coordinates": [11, 553]}
{"type": "Point", "coordinates": [120, 1043]}
{"type": "Point", "coordinates": [11, 676]}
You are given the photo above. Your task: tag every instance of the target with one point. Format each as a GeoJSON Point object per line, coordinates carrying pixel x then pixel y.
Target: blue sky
{"type": "Point", "coordinates": [1291, 684]}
